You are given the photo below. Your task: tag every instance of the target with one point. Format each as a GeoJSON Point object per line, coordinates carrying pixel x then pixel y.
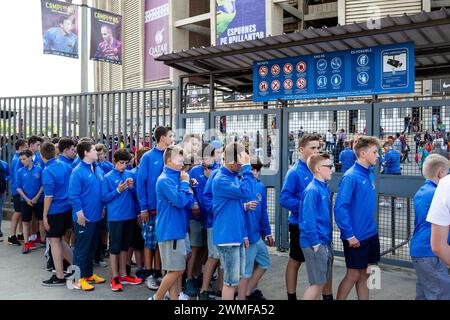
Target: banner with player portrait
{"type": "Point", "coordinates": [60, 28]}
{"type": "Point", "coordinates": [106, 36]}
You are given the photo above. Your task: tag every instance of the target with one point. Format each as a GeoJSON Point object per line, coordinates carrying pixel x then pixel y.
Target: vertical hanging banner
{"type": "Point", "coordinates": [106, 36]}
{"type": "Point", "coordinates": [156, 39]}
{"type": "Point", "coordinates": [60, 28]}
{"type": "Point", "coordinates": [240, 20]}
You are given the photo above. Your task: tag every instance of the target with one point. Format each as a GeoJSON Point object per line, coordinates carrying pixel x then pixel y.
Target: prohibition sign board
{"type": "Point", "coordinates": [301, 66]}
{"type": "Point", "coordinates": [263, 71]}
{"type": "Point", "coordinates": [288, 84]}
{"type": "Point", "coordinates": [288, 68]}
{"type": "Point", "coordinates": [301, 83]}
{"type": "Point", "coordinates": [275, 85]}
{"type": "Point", "coordinates": [275, 70]}
{"type": "Point", "coordinates": [263, 86]}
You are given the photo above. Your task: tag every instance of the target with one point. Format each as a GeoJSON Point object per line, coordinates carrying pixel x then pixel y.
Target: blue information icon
{"type": "Point", "coordinates": [363, 77]}
{"type": "Point", "coordinates": [336, 63]}
{"type": "Point", "coordinates": [336, 80]}
{"type": "Point", "coordinates": [322, 64]}
{"type": "Point", "coordinates": [322, 81]}
{"type": "Point", "coordinates": [363, 60]}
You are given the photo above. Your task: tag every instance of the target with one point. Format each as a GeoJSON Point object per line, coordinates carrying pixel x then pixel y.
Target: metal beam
{"type": "Point", "coordinates": [204, 31]}
{"type": "Point", "coordinates": [192, 20]}
{"type": "Point", "coordinates": [289, 9]}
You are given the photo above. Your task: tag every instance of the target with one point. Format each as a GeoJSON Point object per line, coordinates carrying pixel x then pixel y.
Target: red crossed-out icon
{"type": "Point", "coordinates": [263, 71]}
{"type": "Point", "coordinates": [275, 69]}
{"type": "Point", "coordinates": [263, 86]}
{"type": "Point", "coordinates": [288, 68]}
{"type": "Point", "coordinates": [275, 85]}
{"type": "Point", "coordinates": [301, 66]}
{"type": "Point", "coordinates": [287, 84]}
{"type": "Point", "coordinates": [301, 83]}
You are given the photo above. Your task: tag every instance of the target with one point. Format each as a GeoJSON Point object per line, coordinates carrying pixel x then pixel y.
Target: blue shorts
{"type": "Point", "coordinates": [149, 233]}
{"type": "Point", "coordinates": [232, 260]}
{"type": "Point", "coordinates": [256, 252]}
{"type": "Point", "coordinates": [367, 253]}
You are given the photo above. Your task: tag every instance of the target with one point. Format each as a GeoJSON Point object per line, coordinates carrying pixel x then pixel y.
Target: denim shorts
{"type": "Point", "coordinates": [232, 260]}
{"type": "Point", "coordinates": [213, 252]}
{"type": "Point", "coordinates": [149, 233]}
{"type": "Point", "coordinates": [188, 244]}
{"type": "Point", "coordinates": [173, 255]}
{"type": "Point", "coordinates": [433, 279]}
{"type": "Point", "coordinates": [256, 252]}
{"type": "Point", "coordinates": [319, 264]}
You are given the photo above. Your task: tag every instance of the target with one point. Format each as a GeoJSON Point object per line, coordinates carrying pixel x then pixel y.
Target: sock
{"type": "Point", "coordinates": [158, 273]}
{"type": "Point", "coordinates": [292, 296]}
{"type": "Point", "coordinates": [327, 296]}
{"type": "Point", "coordinates": [149, 273]}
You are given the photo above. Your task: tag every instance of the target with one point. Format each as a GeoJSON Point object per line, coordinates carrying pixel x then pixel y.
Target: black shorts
{"type": "Point", "coordinates": [367, 253]}
{"type": "Point", "coordinates": [27, 211]}
{"type": "Point", "coordinates": [120, 235]}
{"type": "Point", "coordinates": [138, 241]}
{"type": "Point", "coordinates": [295, 251]}
{"type": "Point", "coordinates": [17, 203]}
{"type": "Point", "coordinates": [59, 224]}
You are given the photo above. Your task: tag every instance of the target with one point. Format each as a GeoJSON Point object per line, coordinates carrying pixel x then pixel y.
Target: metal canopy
{"type": "Point", "coordinates": [430, 31]}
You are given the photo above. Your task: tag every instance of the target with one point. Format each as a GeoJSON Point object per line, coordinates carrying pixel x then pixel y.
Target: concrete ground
{"type": "Point", "coordinates": [21, 276]}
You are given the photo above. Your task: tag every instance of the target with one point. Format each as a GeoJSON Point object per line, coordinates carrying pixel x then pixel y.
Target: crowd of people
{"type": "Point", "coordinates": [189, 214]}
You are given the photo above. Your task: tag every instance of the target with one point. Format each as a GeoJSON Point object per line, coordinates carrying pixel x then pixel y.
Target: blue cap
{"type": "Point", "coordinates": [217, 144]}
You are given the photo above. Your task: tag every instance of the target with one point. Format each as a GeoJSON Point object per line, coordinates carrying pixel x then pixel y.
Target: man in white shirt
{"type": "Point", "coordinates": [439, 217]}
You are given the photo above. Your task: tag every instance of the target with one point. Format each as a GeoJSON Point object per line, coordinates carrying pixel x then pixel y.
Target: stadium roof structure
{"type": "Point", "coordinates": [231, 65]}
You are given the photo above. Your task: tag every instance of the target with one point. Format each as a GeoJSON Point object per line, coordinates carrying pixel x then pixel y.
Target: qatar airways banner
{"type": "Point", "coordinates": [156, 39]}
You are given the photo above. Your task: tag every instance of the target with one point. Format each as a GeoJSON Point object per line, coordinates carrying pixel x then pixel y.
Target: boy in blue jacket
{"type": "Point", "coordinates": [433, 281]}
{"type": "Point", "coordinates": [102, 162]}
{"type": "Point", "coordinates": [197, 223]}
{"type": "Point", "coordinates": [57, 211]}
{"type": "Point", "coordinates": [354, 211]}
{"type": "Point", "coordinates": [391, 160]}
{"type": "Point", "coordinates": [67, 151]}
{"type": "Point", "coordinates": [28, 184]}
{"type": "Point", "coordinates": [151, 167]}
{"type": "Point", "coordinates": [117, 194]}
{"type": "Point", "coordinates": [229, 233]}
{"type": "Point", "coordinates": [257, 260]}
{"type": "Point", "coordinates": [85, 194]}
{"type": "Point", "coordinates": [297, 179]}
{"type": "Point", "coordinates": [174, 200]}
{"type": "Point", "coordinates": [347, 157]}
{"type": "Point", "coordinates": [13, 239]}
{"type": "Point", "coordinates": [316, 227]}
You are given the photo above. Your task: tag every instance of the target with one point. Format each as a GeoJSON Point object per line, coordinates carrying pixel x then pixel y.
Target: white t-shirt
{"type": "Point", "coordinates": [439, 212]}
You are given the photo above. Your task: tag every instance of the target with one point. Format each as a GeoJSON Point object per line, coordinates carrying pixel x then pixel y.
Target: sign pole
{"type": "Point", "coordinates": [84, 56]}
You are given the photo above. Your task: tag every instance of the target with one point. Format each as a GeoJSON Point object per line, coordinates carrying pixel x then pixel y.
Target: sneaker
{"type": "Point", "coordinates": [151, 283]}
{"type": "Point", "coordinates": [83, 285]}
{"type": "Point", "coordinates": [95, 278]}
{"type": "Point", "coordinates": [214, 294]}
{"type": "Point", "coordinates": [116, 285]}
{"type": "Point", "coordinates": [20, 237]}
{"type": "Point", "coordinates": [384, 204]}
{"type": "Point", "coordinates": [190, 288]}
{"type": "Point", "coordinates": [54, 281]}
{"type": "Point", "coordinates": [204, 295]}
{"type": "Point", "coordinates": [183, 296]}
{"type": "Point", "coordinates": [26, 248]}
{"type": "Point", "coordinates": [101, 264]}
{"type": "Point", "coordinates": [256, 296]}
{"type": "Point", "coordinates": [130, 280]}
{"type": "Point", "coordinates": [198, 282]}
{"type": "Point", "coordinates": [12, 240]}
{"type": "Point", "coordinates": [32, 245]}
{"type": "Point", "coordinates": [1, 236]}
{"type": "Point", "coordinates": [153, 297]}
{"type": "Point", "coordinates": [214, 277]}
{"type": "Point", "coordinates": [141, 274]}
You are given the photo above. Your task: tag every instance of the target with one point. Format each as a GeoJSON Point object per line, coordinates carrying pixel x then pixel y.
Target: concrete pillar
{"type": "Point", "coordinates": [178, 38]}
{"type": "Point", "coordinates": [274, 19]}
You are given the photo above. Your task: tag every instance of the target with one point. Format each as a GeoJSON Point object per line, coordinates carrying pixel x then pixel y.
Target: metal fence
{"type": "Point", "coordinates": [114, 118]}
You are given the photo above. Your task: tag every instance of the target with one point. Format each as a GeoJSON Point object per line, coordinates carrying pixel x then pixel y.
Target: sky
{"type": "Point", "coordinates": [24, 69]}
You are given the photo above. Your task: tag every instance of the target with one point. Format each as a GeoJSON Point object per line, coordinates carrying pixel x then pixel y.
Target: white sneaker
{"type": "Point", "coordinates": [151, 283]}
{"type": "Point", "coordinates": [384, 204]}
{"type": "Point", "coordinates": [153, 297]}
{"type": "Point", "coordinates": [167, 296]}
{"type": "Point", "coordinates": [183, 296]}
